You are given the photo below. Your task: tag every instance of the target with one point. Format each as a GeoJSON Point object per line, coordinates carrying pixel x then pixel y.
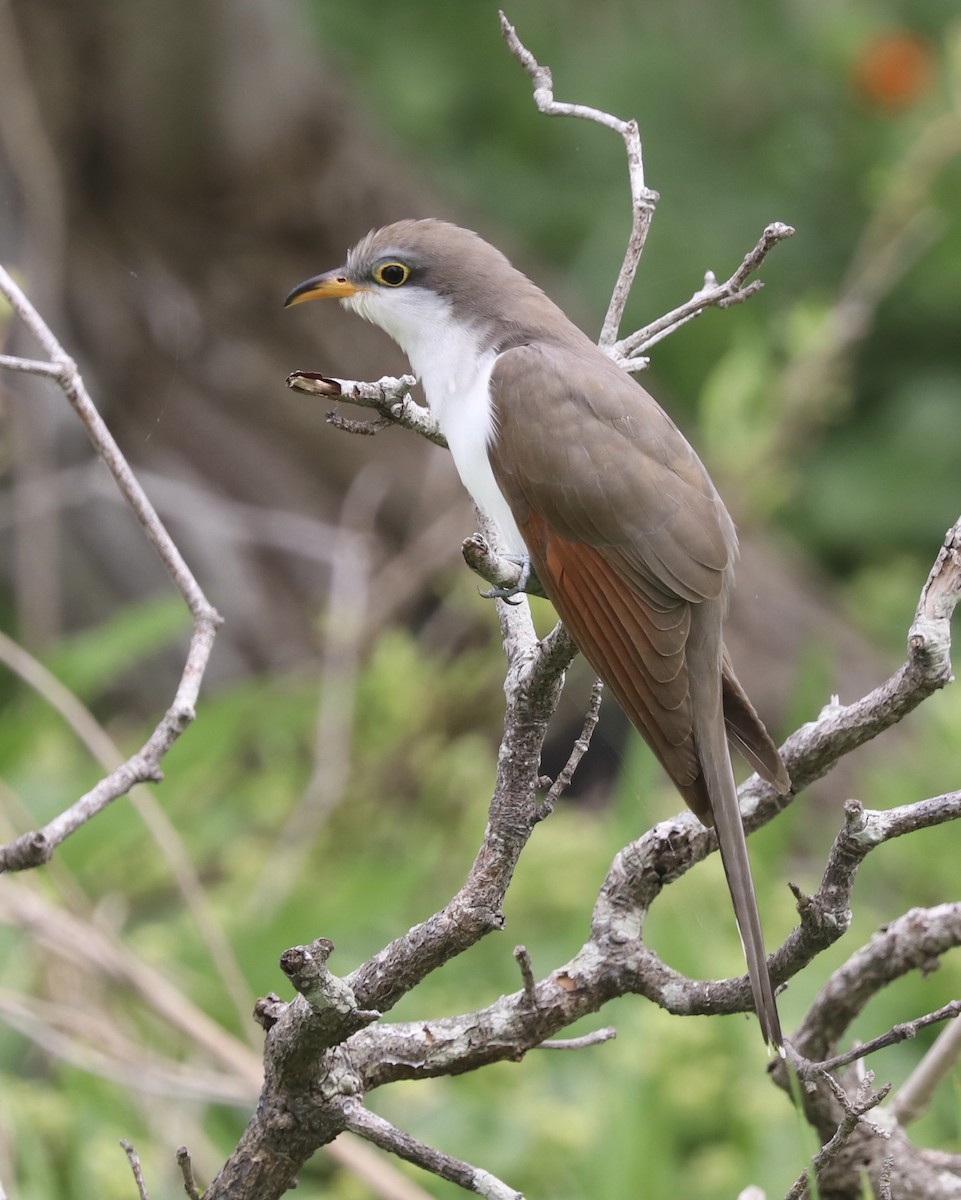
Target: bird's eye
{"type": "Point", "coordinates": [392, 274]}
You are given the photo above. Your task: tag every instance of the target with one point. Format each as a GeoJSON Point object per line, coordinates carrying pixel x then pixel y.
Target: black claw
{"type": "Point", "coordinates": [500, 593]}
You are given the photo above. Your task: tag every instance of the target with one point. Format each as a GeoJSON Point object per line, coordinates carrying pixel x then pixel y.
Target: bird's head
{"type": "Point", "coordinates": [414, 278]}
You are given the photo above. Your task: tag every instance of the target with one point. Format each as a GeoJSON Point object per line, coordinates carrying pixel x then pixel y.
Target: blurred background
{"type": "Point", "coordinates": [167, 174]}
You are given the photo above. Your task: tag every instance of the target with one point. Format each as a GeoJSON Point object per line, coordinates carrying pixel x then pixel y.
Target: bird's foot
{"type": "Point", "coordinates": [527, 582]}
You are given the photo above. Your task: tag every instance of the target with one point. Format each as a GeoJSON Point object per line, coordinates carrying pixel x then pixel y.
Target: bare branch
{"type": "Point", "coordinates": [853, 1113]}
{"type": "Point", "coordinates": [597, 1038]}
{"type": "Point", "coordinates": [523, 960]}
{"type": "Point", "coordinates": [30, 366]}
{"type": "Point", "coordinates": [362, 428]}
{"type": "Point", "coordinates": [519, 639]}
{"type": "Point", "coordinates": [366, 1124]}
{"type": "Point", "coordinates": [579, 749]}
{"type": "Point", "coordinates": [643, 199]}
{"type": "Point", "coordinates": [603, 968]}
{"type": "Point", "coordinates": [36, 847]}
{"type": "Point", "coordinates": [534, 678]}
{"type": "Point", "coordinates": [825, 917]}
{"type": "Point", "coordinates": [389, 396]}
{"type": "Point", "coordinates": [329, 997]}
{"type": "Point", "coordinates": [853, 1119]}
{"type": "Point", "coordinates": [71, 383]}
{"type": "Point", "coordinates": [187, 1170]}
{"type": "Point", "coordinates": [733, 290]}
{"type": "Point", "coordinates": [915, 1093]}
{"type": "Point", "coordinates": [901, 1032]}
{"type": "Point", "coordinates": [134, 1160]}
{"type": "Point", "coordinates": [913, 942]}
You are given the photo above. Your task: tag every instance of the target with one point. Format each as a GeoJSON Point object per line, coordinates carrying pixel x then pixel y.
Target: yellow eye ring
{"type": "Point", "coordinates": [392, 274]}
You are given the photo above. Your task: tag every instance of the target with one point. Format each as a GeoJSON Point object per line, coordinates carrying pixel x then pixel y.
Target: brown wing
{"type": "Point", "coordinates": [624, 528]}
{"type": "Point", "coordinates": [587, 447]}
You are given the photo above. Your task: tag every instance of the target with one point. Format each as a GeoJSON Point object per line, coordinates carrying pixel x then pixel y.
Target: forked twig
{"type": "Point", "coordinates": [36, 847]}
{"type": "Point", "coordinates": [733, 290]}
{"type": "Point", "coordinates": [643, 199]}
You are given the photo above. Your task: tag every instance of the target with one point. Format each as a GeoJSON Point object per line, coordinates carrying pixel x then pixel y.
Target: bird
{"type": "Point", "coordinates": [587, 478]}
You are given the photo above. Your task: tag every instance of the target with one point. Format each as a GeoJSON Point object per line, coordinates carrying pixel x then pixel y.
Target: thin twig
{"type": "Point", "coordinates": [30, 366]}
{"type": "Point", "coordinates": [596, 1038]}
{"type": "Point", "coordinates": [523, 959]}
{"type": "Point", "coordinates": [73, 387]}
{"type": "Point", "coordinates": [362, 1121]}
{"type": "Point", "coordinates": [362, 428]}
{"type": "Point", "coordinates": [733, 290]}
{"type": "Point", "coordinates": [902, 1032]}
{"type": "Point", "coordinates": [915, 1093]}
{"type": "Point", "coordinates": [854, 1111]}
{"type": "Point", "coordinates": [134, 1159]}
{"type": "Point", "coordinates": [913, 941]}
{"type": "Point", "coordinates": [643, 199]}
{"type": "Point", "coordinates": [865, 1098]}
{"type": "Point", "coordinates": [37, 846]}
{"type": "Point", "coordinates": [187, 1170]}
{"type": "Point", "coordinates": [578, 750]}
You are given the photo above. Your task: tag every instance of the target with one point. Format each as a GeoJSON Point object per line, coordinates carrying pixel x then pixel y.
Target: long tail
{"type": "Point", "coordinates": [715, 761]}
{"type": "Point", "coordinates": [737, 868]}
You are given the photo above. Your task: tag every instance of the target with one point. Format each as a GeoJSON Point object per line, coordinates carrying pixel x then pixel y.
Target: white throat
{"type": "Point", "coordinates": [449, 359]}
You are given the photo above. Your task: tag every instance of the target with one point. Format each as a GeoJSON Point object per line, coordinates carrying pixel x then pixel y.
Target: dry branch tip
{"type": "Point", "coordinates": [314, 384]}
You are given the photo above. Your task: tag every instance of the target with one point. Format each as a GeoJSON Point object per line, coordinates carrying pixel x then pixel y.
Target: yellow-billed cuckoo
{"type": "Point", "coordinates": [579, 468]}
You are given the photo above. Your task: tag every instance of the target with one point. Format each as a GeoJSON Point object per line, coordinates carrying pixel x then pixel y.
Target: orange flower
{"type": "Point", "coordinates": [893, 69]}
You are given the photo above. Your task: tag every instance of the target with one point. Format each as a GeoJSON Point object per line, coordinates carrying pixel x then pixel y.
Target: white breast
{"type": "Point", "coordinates": [455, 372]}
{"type": "Point", "coordinates": [461, 401]}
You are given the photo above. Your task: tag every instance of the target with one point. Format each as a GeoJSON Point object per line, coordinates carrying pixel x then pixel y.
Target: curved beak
{"type": "Point", "coordinates": [332, 285]}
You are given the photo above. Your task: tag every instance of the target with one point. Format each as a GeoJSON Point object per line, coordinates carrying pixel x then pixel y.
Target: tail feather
{"type": "Point", "coordinates": [733, 847]}
{"type": "Point", "coordinates": [718, 778]}
{"type": "Point", "coordinates": [747, 733]}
